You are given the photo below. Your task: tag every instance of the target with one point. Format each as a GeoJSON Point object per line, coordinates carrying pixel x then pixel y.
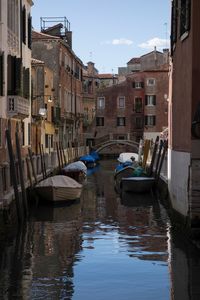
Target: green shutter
{"type": "Point", "coordinates": [1, 73]}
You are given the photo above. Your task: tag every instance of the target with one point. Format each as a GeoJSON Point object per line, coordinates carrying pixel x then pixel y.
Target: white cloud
{"type": "Point", "coordinates": [118, 42]}
{"type": "Point", "coordinates": [155, 42]}
{"type": "Point", "coordinates": [122, 42]}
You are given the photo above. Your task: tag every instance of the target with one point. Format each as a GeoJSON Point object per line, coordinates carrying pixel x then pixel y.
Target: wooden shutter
{"type": "Point", "coordinates": [133, 84]}
{"type": "Point", "coordinates": [146, 97]}
{"type": "Point", "coordinates": [1, 73]}
{"type": "Point", "coordinates": [154, 100]}
{"type": "Point", "coordinates": [29, 31]}
{"type": "Point", "coordinates": [154, 120]}
{"type": "Point", "coordinates": [146, 120]}
{"type": "Point", "coordinates": [18, 71]}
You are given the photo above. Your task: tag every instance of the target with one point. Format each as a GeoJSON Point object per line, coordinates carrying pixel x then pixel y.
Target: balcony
{"type": "Point", "coordinates": [18, 107]}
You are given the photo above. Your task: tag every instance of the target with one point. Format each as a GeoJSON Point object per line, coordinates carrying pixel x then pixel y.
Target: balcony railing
{"type": "Point", "coordinates": [18, 107]}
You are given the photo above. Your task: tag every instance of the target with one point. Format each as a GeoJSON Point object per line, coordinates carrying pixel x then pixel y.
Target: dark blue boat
{"type": "Point", "coordinates": [88, 160]}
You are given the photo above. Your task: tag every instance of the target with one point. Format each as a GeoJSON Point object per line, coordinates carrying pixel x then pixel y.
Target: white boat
{"type": "Point", "coordinates": [76, 170]}
{"type": "Point", "coordinates": [59, 188]}
{"type": "Point", "coordinates": [137, 184]}
{"type": "Point", "coordinates": [127, 157]}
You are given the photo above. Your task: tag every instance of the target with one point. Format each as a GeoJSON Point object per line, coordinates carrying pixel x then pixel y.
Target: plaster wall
{"type": "Point", "coordinates": [178, 180]}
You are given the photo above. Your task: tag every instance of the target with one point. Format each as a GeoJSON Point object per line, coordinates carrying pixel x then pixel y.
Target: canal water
{"type": "Point", "coordinates": [99, 248]}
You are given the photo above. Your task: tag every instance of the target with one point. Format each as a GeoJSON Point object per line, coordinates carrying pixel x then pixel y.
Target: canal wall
{"type": "Point", "coordinates": [8, 215]}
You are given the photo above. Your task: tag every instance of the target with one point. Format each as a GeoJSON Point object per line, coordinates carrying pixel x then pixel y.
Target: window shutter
{"type": "Point", "coordinates": [188, 12]}
{"type": "Point", "coordinates": [26, 81]}
{"type": "Point", "coordinates": [154, 100]}
{"type": "Point", "coordinates": [18, 64]}
{"type": "Point", "coordinates": [142, 84]}
{"type": "Point", "coordinates": [24, 25]}
{"type": "Point", "coordinates": [146, 120]}
{"type": "Point", "coordinates": [146, 97]}
{"type": "Point", "coordinates": [1, 73]}
{"type": "Point", "coordinates": [154, 120]}
{"type": "Point", "coordinates": [29, 31]}
{"type": "Point", "coordinates": [133, 84]}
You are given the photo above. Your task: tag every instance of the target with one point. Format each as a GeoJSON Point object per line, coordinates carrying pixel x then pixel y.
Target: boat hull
{"type": "Point", "coordinates": [58, 194]}
{"type": "Point", "coordinates": [58, 188]}
{"type": "Point", "coordinates": [137, 184]}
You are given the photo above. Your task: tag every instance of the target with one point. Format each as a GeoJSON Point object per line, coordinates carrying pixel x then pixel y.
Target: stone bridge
{"type": "Point", "coordinates": [111, 139]}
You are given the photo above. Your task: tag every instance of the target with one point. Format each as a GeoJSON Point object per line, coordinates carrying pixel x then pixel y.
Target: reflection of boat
{"type": "Point", "coordinates": [95, 155]}
{"type": "Point", "coordinates": [91, 171]}
{"type": "Point", "coordinates": [76, 170]}
{"type": "Point", "coordinates": [137, 199]}
{"type": "Point", "coordinates": [137, 184]}
{"type": "Point", "coordinates": [59, 188]}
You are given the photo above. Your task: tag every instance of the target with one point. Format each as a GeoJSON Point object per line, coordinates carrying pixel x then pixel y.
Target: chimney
{"type": "Point", "coordinates": [68, 35]}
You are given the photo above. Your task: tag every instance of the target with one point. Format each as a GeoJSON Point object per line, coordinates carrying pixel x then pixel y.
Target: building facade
{"type": "Point", "coordinates": [53, 46]}
{"type": "Point", "coordinates": [184, 107]}
{"type": "Point", "coordinates": [137, 107]}
{"type": "Point", "coordinates": [43, 128]}
{"type": "Point", "coordinates": [15, 72]}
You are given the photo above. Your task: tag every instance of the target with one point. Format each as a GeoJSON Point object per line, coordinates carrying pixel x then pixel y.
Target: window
{"type": "Point", "coordinates": [151, 81]}
{"type": "Point", "coordinates": [121, 121]}
{"type": "Point", "coordinates": [101, 102]}
{"type": "Point", "coordinates": [23, 133]}
{"type": "Point", "coordinates": [138, 122]}
{"type": "Point", "coordinates": [29, 133]}
{"type": "Point", "coordinates": [185, 16]}
{"type": "Point", "coordinates": [1, 73]}
{"type": "Point", "coordinates": [51, 140]}
{"type": "Point", "coordinates": [121, 102]}
{"type": "Point", "coordinates": [174, 14]}
{"type": "Point", "coordinates": [1, 128]}
{"type": "Point", "coordinates": [138, 84]}
{"type": "Point", "coordinates": [150, 100]}
{"type": "Point", "coordinates": [46, 140]}
{"type": "Point", "coordinates": [99, 121]}
{"type": "Point", "coordinates": [29, 30]}
{"type": "Point", "coordinates": [138, 105]}
{"type": "Point", "coordinates": [23, 18]}
{"type": "Point", "coordinates": [150, 120]}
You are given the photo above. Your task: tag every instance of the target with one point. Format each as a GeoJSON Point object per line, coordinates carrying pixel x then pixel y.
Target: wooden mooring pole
{"type": "Point", "coordinates": [14, 177]}
{"type": "Point", "coordinates": [23, 188]}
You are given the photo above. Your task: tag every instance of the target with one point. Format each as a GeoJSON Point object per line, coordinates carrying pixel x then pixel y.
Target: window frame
{"type": "Point", "coordinates": [184, 25]}
{"type": "Point", "coordinates": [141, 125]}
{"type": "Point", "coordinates": [153, 81]}
{"type": "Point", "coordinates": [150, 120]}
{"type": "Point", "coordinates": [150, 100]}
{"type": "Point", "coordinates": [100, 121]}
{"type": "Point", "coordinates": [121, 121]}
{"type": "Point", "coordinates": [121, 98]}
{"type": "Point", "coordinates": [135, 108]}
{"type": "Point", "coordinates": [99, 105]}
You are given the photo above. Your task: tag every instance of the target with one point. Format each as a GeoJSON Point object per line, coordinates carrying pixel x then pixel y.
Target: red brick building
{"type": "Point", "coordinates": [137, 106]}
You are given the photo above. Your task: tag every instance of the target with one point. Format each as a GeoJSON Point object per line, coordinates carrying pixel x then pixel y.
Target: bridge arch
{"type": "Point", "coordinates": [104, 145]}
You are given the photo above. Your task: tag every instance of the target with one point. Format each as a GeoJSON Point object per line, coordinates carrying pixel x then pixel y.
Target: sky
{"type": "Point", "coordinates": [110, 32]}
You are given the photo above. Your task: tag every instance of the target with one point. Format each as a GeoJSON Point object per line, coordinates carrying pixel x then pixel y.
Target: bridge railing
{"type": "Point", "coordinates": [113, 136]}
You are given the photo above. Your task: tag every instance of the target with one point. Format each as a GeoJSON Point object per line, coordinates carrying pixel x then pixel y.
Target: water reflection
{"type": "Point", "coordinates": [98, 248]}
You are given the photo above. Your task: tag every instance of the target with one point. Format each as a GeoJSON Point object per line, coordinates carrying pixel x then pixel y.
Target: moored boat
{"type": "Point", "coordinates": [59, 188]}
{"type": "Point", "coordinates": [88, 160]}
{"type": "Point", "coordinates": [76, 170]}
{"type": "Point", "coordinates": [137, 184]}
